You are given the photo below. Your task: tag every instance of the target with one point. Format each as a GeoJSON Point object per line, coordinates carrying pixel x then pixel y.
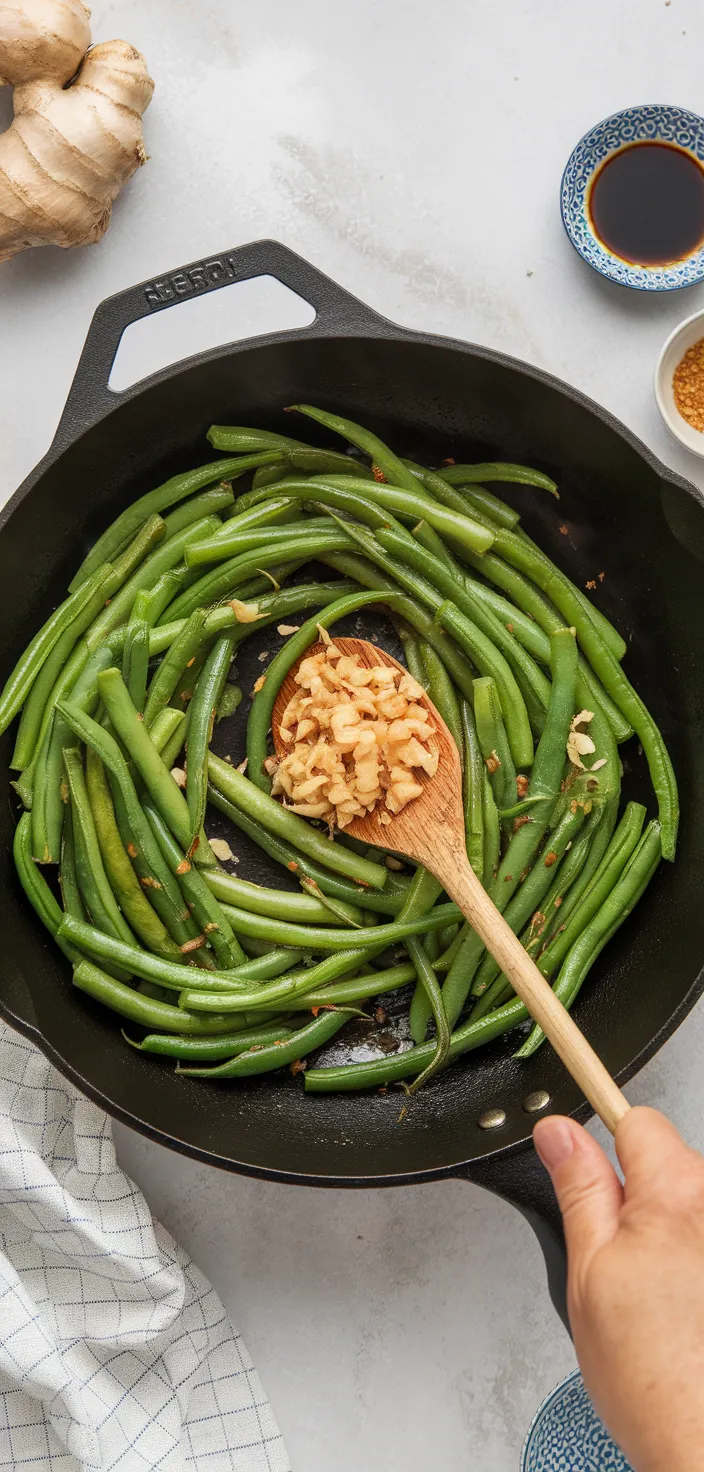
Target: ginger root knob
{"type": "Point", "coordinates": [76, 136]}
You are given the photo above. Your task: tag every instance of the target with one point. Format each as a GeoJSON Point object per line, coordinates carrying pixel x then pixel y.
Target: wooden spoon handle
{"type": "Point", "coordinates": [578, 1056]}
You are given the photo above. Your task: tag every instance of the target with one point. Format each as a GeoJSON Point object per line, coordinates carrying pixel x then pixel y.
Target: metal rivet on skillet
{"type": "Point", "coordinates": [535, 1101]}
{"type": "Point", "coordinates": [491, 1119]}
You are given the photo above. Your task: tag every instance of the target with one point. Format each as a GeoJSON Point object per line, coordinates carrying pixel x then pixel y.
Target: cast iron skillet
{"type": "Point", "coordinates": [627, 517]}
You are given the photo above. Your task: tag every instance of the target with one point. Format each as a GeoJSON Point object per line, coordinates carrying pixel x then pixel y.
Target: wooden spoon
{"type": "Point", "coordinates": [430, 830]}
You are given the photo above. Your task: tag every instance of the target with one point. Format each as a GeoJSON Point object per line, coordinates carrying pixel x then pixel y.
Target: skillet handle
{"type": "Point", "coordinates": [90, 399]}
{"type": "Point", "coordinates": [522, 1180]}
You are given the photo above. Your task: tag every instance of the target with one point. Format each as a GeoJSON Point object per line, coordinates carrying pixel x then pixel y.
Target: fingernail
{"type": "Point", "coordinates": [554, 1142]}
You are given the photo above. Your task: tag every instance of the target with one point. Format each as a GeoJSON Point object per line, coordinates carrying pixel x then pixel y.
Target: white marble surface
{"type": "Point", "coordinates": [414, 153]}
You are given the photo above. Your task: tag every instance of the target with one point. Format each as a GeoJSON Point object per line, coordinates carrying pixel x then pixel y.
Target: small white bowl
{"type": "Point", "coordinates": [683, 337]}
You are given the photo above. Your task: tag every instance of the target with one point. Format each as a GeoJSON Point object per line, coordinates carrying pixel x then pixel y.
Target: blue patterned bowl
{"type": "Point", "coordinates": [567, 1436]}
{"type": "Point", "coordinates": [650, 124]}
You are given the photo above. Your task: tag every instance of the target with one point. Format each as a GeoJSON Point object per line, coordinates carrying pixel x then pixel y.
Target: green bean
{"type": "Point", "coordinates": [433, 993]}
{"type": "Point", "coordinates": [446, 494]}
{"type": "Point", "coordinates": [166, 557]}
{"type": "Point", "coordinates": [595, 894]}
{"type": "Point", "coordinates": [567, 874]}
{"type": "Point", "coordinates": [276, 1055]}
{"type": "Point", "coordinates": [524, 904]}
{"type": "Point", "coordinates": [545, 782]}
{"type": "Point", "coordinates": [391, 1069]}
{"type": "Point", "coordinates": [168, 725]}
{"type": "Point", "coordinates": [152, 770]}
{"type": "Point", "coordinates": [444, 961]}
{"type": "Point", "coordinates": [407, 504]}
{"type": "Point", "coordinates": [492, 833]}
{"type": "Point", "coordinates": [276, 819]}
{"type": "Point", "coordinates": [34, 884]}
{"type": "Point", "coordinates": [322, 938]}
{"type": "Point", "coordinates": [235, 437]}
{"type": "Point", "coordinates": [441, 690]}
{"type": "Point", "coordinates": [135, 662]}
{"type": "Point", "coordinates": [358, 988]}
{"type": "Point", "coordinates": [19, 683]}
{"type": "Point", "coordinates": [200, 1050]}
{"type": "Point", "coordinates": [71, 897]}
{"type": "Point", "coordinates": [368, 575]}
{"type": "Point", "coordinates": [428, 538]}
{"type": "Point", "coordinates": [412, 652]}
{"type": "Point", "coordinates": [634, 879]}
{"type": "Point", "coordinates": [231, 541]}
{"type": "Point", "coordinates": [150, 603]}
{"type": "Point", "coordinates": [155, 873]}
{"type": "Point", "coordinates": [379, 453]}
{"type": "Point", "coordinates": [208, 503]}
{"type": "Point", "coordinates": [464, 475]}
{"type": "Point", "coordinates": [489, 661]}
{"type": "Point", "coordinates": [130, 896]}
{"type": "Point", "coordinates": [312, 461]}
{"type": "Point", "coordinates": [335, 907]}
{"type": "Point", "coordinates": [180, 654]}
{"type": "Point", "coordinates": [280, 904]}
{"type": "Point", "coordinates": [494, 743]}
{"type": "Point", "coordinates": [144, 1010]}
{"type": "Point", "coordinates": [40, 693]}
{"type": "Point", "coordinates": [607, 668]}
{"type": "Point", "coordinates": [264, 699]}
{"type": "Point", "coordinates": [284, 853]}
{"type": "Point", "coordinates": [267, 475]}
{"type": "Point", "coordinates": [47, 806]}
{"type": "Point", "coordinates": [208, 914]}
{"type": "Point", "coordinates": [120, 531]}
{"type": "Point", "coordinates": [227, 577]}
{"type": "Point", "coordinates": [272, 607]}
{"type": "Point", "coordinates": [423, 891]}
{"type": "Point", "coordinates": [203, 709]}
{"type": "Point", "coordinates": [473, 796]}
{"type": "Point", "coordinates": [93, 881]}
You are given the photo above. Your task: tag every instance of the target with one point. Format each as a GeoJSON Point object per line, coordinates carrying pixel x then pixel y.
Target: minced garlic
{"type": "Point", "coordinates": [358, 738]}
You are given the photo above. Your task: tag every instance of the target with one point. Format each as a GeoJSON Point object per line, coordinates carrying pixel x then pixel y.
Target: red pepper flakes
{"type": "Point", "coordinates": [378, 474]}
{"type": "Point", "coordinates": [565, 531]}
{"type": "Point", "coordinates": [190, 662]}
{"type": "Point", "coordinates": [315, 1011]}
{"type": "Point", "coordinates": [550, 859]}
{"type": "Point", "coordinates": [601, 576]}
{"type": "Point", "coordinates": [521, 822]}
{"type": "Point", "coordinates": [293, 866]}
{"type": "Point", "coordinates": [449, 461]}
{"type": "Point", "coordinates": [507, 877]}
{"type": "Point", "coordinates": [590, 583]}
{"type": "Point", "coordinates": [150, 883]}
{"type": "Point", "coordinates": [402, 1115]}
{"type": "Point", "coordinates": [557, 901]}
{"type": "Point", "coordinates": [382, 1090]}
{"type": "Point", "coordinates": [510, 628]}
{"type": "Point", "coordinates": [522, 784]}
{"type": "Point", "coordinates": [299, 1066]}
{"type": "Point", "coordinates": [381, 1016]}
{"type": "Point", "coordinates": [132, 851]}
{"type": "Point", "coordinates": [211, 925]}
{"type": "Point", "coordinates": [183, 867]}
{"type": "Point", "coordinates": [492, 763]}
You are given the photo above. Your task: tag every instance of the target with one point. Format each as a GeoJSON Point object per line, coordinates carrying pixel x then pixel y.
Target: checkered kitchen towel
{"type": "Point", "coordinates": [114, 1351]}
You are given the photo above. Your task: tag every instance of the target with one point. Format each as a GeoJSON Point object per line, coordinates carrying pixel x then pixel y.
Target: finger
{"type": "Point", "coordinates": [588, 1190]}
{"type": "Point", "coordinates": [650, 1150]}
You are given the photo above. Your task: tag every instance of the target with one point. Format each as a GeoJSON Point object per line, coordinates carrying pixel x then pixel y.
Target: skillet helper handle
{"type": "Point", "coordinates": [90, 399]}
{"type": "Point", "coordinates": [521, 1180]}
{"type": "Point", "coordinates": [452, 868]}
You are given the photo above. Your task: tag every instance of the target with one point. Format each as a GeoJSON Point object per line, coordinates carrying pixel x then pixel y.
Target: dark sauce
{"type": "Point", "coordinates": [647, 204]}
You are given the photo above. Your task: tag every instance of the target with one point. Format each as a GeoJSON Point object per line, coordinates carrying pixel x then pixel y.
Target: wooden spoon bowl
{"type": "Point", "coordinates": [430, 830]}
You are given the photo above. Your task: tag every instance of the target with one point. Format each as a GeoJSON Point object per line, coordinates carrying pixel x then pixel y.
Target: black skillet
{"type": "Point", "coordinates": [627, 516]}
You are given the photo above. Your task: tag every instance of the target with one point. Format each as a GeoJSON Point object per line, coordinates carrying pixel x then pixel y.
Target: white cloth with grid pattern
{"type": "Point", "coordinates": [114, 1350]}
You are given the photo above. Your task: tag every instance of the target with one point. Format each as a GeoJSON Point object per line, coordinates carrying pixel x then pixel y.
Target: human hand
{"type": "Point", "coordinates": [636, 1281]}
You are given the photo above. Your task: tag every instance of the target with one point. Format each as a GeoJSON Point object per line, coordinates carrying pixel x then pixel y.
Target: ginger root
{"type": "Point", "coordinates": [76, 136]}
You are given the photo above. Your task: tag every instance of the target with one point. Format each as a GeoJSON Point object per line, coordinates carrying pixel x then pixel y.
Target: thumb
{"type": "Point", "coordinates": [588, 1190]}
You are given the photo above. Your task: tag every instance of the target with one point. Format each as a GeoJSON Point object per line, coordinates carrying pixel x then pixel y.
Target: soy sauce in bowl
{"type": "Point", "coordinates": [646, 203]}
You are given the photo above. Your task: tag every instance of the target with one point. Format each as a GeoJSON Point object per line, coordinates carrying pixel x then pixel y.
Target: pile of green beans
{"type": "Point", "coordinates": [118, 695]}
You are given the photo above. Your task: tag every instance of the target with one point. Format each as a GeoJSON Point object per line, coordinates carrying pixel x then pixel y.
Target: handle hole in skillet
{"type": "Point", "coordinates": [241, 310]}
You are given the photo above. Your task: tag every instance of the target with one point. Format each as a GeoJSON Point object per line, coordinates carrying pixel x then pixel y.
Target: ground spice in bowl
{"type": "Point", "coordinates": [688, 385]}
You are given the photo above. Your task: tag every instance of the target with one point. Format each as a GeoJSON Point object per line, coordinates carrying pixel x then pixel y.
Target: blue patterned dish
{"type": "Point", "coordinates": [566, 1435]}
{"type": "Point", "coordinates": [649, 124]}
